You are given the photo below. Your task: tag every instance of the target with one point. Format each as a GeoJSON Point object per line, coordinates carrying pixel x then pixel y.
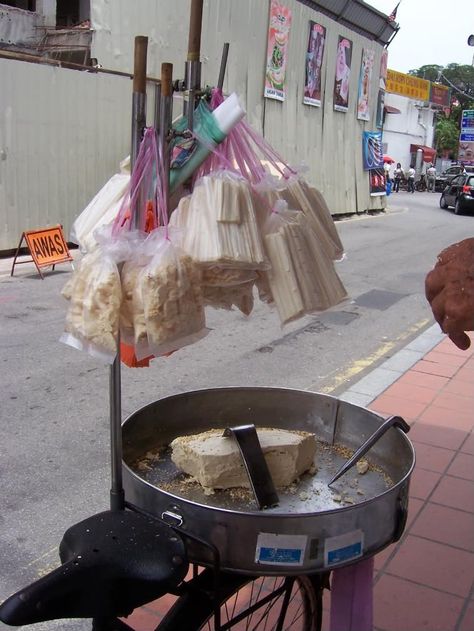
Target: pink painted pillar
{"type": "Point", "coordinates": [352, 597]}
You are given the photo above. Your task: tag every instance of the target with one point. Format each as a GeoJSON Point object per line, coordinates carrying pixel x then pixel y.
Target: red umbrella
{"type": "Point", "coordinates": [388, 159]}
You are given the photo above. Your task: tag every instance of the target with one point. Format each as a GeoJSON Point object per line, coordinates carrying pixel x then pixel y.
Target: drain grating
{"type": "Point", "coordinates": [378, 299]}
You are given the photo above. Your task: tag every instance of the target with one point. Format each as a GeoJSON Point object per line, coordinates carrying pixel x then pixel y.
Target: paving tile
{"type": "Point", "coordinates": [430, 368]}
{"type": "Point", "coordinates": [142, 619]}
{"type": "Point", "coordinates": [446, 346]}
{"type": "Point", "coordinates": [467, 619]}
{"type": "Point", "coordinates": [404, 390]}
{"type": "Point", "coordinates": [468, 445]}
{"type": "Point", "coordinates": [435, 565]}
{"type": "Point", "coordinates": [462, 466]}
{"type": "Point", "coordinates": [448, 437]}
{"type": "Point", "coordinates": [376, 382]}
{"type": "Point", "coordinates": [387, 404]}
{"type": "Point", "coordinates": [326, 610]}
{"type": "Point", "coordinates": [423, 483]}
{"type": "Point", "coordinates": [455, 492]}
{"type": "Point", "coordinates": [466, 373]}
{"type": "Point", "coordinates": [444, 417]}
{"type": "Point", "coordinates": [454, 402]}
{"type": "Point", "coordinates": [445, 525]}
{"type": "Point", "coordinates": [382, 557]}
{"type": "Point", "coordinates": [404, 606]}
{"type": "Point", "coordinates": [436, 382]}
{"type": "Point", "coordinates": [414, 507]}
{"type": "Point", "coordinates": [433, 458]}
{"type": "Point", "coordinates": [458, 386]}
{"type": "Point", "coordinates": [445, 358]}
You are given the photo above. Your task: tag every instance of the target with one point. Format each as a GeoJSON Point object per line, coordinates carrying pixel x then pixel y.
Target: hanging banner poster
{"type": "Point", "coordinates": [372, 150]}
{"type": "Point", "coordinates": [377, 182]}
{"type": "Point", "coordinates": [382, 85]}
{"type": "Point", "coordinates": [314, 62]}
{"type": "Point", "coordinates": [365, 78]}
{"type": "Point", "coordinates": [278, 34]}
{"type": "Point", "coordinates": [343, 73]}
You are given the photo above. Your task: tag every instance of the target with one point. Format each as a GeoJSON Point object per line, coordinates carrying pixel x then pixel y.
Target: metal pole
{"type": "Point", "coordinates": [225, 54]}
{"type": "Point", "coordinates": [193, 65]}
{"type": "Point", "coordinates": [117, 496]}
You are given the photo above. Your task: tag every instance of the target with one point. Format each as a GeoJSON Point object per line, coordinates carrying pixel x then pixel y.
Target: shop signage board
{"type": "Point", "coordinates": [47, 247]}
{"type": "Point", "coordinates": [467, 120]}
{"type": "Point", "coordinates": [408, 85]}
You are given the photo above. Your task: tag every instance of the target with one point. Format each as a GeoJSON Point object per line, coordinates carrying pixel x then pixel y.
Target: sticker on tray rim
{"type": "Point", "coordinates": [273, 549]}
{"type": "Point", "coordinates": [343, 548]}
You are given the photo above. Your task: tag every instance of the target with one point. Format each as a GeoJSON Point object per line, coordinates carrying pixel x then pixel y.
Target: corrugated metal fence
{"type": "Point", "coordinates": [62, 135]}
{"type": "Point", "coordinates": [64, 132]}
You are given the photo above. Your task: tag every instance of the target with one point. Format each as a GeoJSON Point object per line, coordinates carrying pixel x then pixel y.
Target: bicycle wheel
{"type": "Point", "coordinates": [248, 604]}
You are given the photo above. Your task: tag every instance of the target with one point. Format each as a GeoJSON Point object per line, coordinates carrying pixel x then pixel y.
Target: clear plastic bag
{"type": "Point", "coordinates": [302, 278]}
{"type": "Point", "coordinates": [95, 295]}
{"type": "Point", "coordinates": [92, 319]}
{"type": "Point", "coordinates": [220, 223]}
{"type": "Point", "coordinates": [101, 210]}
{"type": "Point", "coordinates": [169, 287]}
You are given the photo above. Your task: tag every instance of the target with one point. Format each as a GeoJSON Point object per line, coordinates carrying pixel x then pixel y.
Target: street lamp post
{"type": "Point", "coordinates": [470, 42]}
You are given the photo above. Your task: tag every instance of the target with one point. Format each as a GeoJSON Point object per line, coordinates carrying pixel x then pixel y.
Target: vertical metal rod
{"type": "Point", "coordinates": [156, 112]}
{"type": "Point", "coordinates": [193, 65]}
{"type": "Point", "coordinates": [166, 114]}
{"type": "Point", "coordinates": [117, 496]}
{"type": "Point", "coordinates": [225, 54]}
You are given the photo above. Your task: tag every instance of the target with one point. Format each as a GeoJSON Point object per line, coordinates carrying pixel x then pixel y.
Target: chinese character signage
{"type": "Point", "coordinates": [407, 85]}
{"type": "Point", "coordinates": [440, 94]}
{"type": "Point", "coordinates": [343, 74]}
{"type": "Point", "coordinates": [372, 150]}
{"type": "Point", "coordinates": [364, 84]}
{"type": "Point", "coordinates": [278, 34]}
{"type": "Point", "coordinates": [314, 62]}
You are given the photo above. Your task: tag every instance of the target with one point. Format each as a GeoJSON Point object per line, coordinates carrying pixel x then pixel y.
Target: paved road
{"type": "Point", "coordinates": [54, 400]}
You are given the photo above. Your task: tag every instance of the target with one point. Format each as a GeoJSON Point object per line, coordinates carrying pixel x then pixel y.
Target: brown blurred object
{"type": "Point", "coordinates": [449, 288]}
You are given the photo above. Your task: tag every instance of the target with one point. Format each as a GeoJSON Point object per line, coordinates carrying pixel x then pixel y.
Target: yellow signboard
{"type": "Point", "coordinates": [406, 85]}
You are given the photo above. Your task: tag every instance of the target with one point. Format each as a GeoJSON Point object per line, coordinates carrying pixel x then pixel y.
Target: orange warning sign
{"type": "Point", "coordinates": [47, 247]}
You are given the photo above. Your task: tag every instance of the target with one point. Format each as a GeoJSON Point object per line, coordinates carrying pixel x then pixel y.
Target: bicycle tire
{"type": "Point", "coordinates": [194, 610]}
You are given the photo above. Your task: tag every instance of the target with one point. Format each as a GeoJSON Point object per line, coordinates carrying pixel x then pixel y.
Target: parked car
{"type": "Point", "coordinates": [446, 176]}
{"type": "Point", "coordinates": [459, 193]}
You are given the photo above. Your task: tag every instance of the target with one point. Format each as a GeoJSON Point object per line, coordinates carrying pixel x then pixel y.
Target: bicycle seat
{"type": "Point", "coordinates": [112, 563]}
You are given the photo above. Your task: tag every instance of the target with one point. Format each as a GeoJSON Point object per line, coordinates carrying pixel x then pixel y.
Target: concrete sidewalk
{"type": "Point", "coordinates": [425, 582]}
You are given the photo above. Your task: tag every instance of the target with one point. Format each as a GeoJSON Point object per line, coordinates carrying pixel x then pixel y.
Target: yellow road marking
{"type": "Point", "coordinates": [42, 556]}
{"type": "Point", "coordinates": [361, 364]}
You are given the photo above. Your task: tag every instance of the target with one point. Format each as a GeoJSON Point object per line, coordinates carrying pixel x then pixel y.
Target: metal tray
{"type": "Point", "coordinates": [314, 527]}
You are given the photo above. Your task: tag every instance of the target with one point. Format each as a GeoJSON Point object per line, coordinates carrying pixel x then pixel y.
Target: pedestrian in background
{"type": "Point", "coordinates": [397, 177]}
{"type": "Point", "coordinates": [431, 178]}
{"type": "Point", "coordinates": [411, 180]}
{"type": "Point", "coordinates": [386, 169]}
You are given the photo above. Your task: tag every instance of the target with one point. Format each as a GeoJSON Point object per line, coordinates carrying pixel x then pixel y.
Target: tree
{"type": "Point", "coordinates": [459, 78]}
{"type": "Point", "coordinates": [447, 136]}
